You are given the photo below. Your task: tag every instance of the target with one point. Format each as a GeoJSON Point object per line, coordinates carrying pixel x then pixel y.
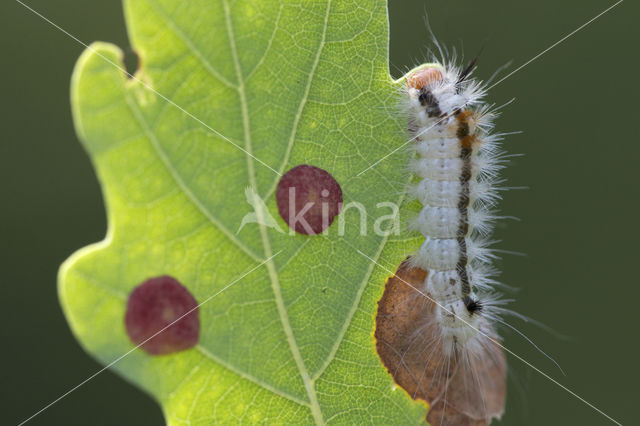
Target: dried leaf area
{"type": "Point", "coordinates": [466, 388]}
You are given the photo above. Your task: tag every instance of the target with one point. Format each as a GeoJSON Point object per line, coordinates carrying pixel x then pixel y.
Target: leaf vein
{"type": "Point", "coordinates": [273, 274]}
{"type": "Point", "coordinates": [303, 102]}
{"type": "Point", "coordinates": [176, 177]}
{"type": "Point", "coordinates": [187, 41]}
{"type": "Point", "coordinates": [356, 303]}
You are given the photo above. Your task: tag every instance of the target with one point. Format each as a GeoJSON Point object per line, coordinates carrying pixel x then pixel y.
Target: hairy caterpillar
{"type": "Point", "coordinates": [443, 348]}
{"type": "Point", "coordinates": [457, 162]}
{"type": "Point", "coordinates": [457, 167]}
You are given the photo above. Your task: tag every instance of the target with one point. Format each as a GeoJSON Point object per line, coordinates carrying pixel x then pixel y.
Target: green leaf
{"type": "Point", "coordinates": [288, 82]}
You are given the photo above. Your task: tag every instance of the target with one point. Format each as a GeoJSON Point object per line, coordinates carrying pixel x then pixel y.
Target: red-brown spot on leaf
{"type": "Point", "coordinates": [162, 316]}
{"type": "Point", "coordinates": [309, 199]}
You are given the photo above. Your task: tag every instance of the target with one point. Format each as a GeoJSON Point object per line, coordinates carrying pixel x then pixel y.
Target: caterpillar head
{"type": "Point", "coordinates": [425, 77]}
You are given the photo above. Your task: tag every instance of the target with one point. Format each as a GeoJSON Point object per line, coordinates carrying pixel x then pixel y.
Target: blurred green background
{"type": "Point", "coordinates": [577, 106]}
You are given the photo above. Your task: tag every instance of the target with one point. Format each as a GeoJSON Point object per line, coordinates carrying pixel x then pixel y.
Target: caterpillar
{"type": "Point", "coordinates": [443, 348]}
{"type": "Point", "coordinates": [457, 165]}
{"type": "Point", "coordinates": [457, 160]}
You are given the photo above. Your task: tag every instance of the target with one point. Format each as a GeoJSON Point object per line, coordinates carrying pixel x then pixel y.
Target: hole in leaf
{"type": "Point", "coordinates": [309, 199]}
{"type": "Point", "coordinates": [131, 62]}
{"type": "Point", "coordinates": [162, 316]}
{"type": "Point", "coordinates": [467, 388]}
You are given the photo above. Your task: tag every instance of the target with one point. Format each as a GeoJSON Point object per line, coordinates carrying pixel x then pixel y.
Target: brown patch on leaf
{"type": "Point", "coordinates": [463, 389]}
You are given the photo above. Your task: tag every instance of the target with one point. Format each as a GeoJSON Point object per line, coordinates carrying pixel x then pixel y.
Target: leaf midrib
{"type": "Point", "coordinates": [308, 380]}
{"type": "Point", "coordinates": [140, 118]}
{"type": "Point", "coordinates": [273, 274]}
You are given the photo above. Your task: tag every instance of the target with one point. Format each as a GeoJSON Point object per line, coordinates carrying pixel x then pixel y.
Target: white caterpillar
{"type": "Point", "coordinates": [463, 366]}
{"type": "Point", "coordinates": [457, 165]}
